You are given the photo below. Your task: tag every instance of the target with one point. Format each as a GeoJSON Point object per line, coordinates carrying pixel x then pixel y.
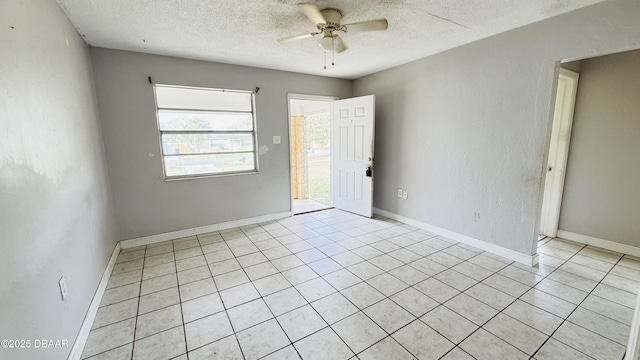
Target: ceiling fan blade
{"type": "Point", "coordinates": [340, 46]}
{"type": "Point", "coordinates": [372, 25]}
{"type": "Point", "coordinates": [297, 37]}
{"type": "Point", "coordinates": [312, 13]}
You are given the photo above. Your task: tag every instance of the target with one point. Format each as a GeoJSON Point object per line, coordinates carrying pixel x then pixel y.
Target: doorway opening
{"type": "Point", "coordinates": [310, 120]}
{"type": "Point", "coordinates": [558, 152]}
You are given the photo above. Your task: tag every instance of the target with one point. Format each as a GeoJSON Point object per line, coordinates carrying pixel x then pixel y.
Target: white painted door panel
{"type": "Point", "coordinates": [558, 152]}
{"type": "Point", "coordinates": [352, 149]}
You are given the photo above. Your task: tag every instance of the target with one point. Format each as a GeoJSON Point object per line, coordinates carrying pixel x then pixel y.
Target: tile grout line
{"type": "Point", "coordinates": [385, 296]}
{"type": "Point", "coordinates": [337, 291]}
{"type": "Point", "coordinates": [251, 281]}
{"type": "Point", "coordinates": [410, 286]}
{"type": "Point", "coordinates": [428, 277]}
{"type": "Point", "coordinates": [330, 326]}
{"type": "Point", "coordinates": [267, 305]}
{"type": "Point", "coordinates": [312, 246]}
{"type": "Point", "coordinates": [280, 272]}
{"type": "Point", "coordinates": [135, 327]}
{"type": "Point", "coordinates": [463, 260]}
{"type": "Point", "coordinates": [511, 303]}
{"type": "Point", "coordinates": [456, 345]}
{"type": "Point", "coordinates": [381, 300]}
{"type": "Point", "coordinates": [184, 328]}
{"type": "Point", "coordinates": [136, 317]}
{"type": "Point", "coordinates": [571, 313]}
{"type": "Point", "coordinates": [294, 287]}
{"type": "Point", "coordinates": [164, 307]}
{"type": "Point", "coordinates": [518, 298]}
{"type": "Point", "coordinates": [138, 296]}
{"type": "Point", "coordinates": [417, 318]}
{"type": "Point", "coordinates": [223, 307]}
{"type": "Point", "coordinates": [598, 282]}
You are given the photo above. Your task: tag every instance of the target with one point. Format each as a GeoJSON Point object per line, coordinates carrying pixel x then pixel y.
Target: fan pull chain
{"type": "Point", "coordinates": [333, 50]}
{"type": "Point", "coordinates": [325, 59]}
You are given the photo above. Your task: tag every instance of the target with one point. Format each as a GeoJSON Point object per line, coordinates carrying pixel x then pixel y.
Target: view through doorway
{"type": "Point", "coordinates": [310, 139]}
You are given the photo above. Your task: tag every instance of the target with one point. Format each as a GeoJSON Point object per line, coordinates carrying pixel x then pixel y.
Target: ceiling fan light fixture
{"type": "Point", "coordinates": [326, 43]}
{"type": "Point", "coordinates": [328, 23]}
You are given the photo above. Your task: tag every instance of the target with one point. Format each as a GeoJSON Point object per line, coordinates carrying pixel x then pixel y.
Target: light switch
{"type": "Point", "coordinates": [276, 139]}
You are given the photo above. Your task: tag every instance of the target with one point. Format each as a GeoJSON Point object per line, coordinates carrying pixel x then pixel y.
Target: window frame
{"type": "Point", "coordinates": [253, 132]}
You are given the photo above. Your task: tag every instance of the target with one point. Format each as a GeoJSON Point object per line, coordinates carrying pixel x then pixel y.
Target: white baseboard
{"type": "Point", "coordinates": [83, 335]}
{"type": "Point", "coordinates": [85, 329]}
{"type": "Point", "coordinates": [601, 243]}
{"type": "Point", "coordinates": [530, 260]}
{"type": "Point", "coordinates": [151, 239]}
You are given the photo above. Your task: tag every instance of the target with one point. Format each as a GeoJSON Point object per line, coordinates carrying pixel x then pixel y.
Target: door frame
{"type": "Point", "coordinates": [557, 153]}
{"type": "Point", "coordinates": [296, 96]}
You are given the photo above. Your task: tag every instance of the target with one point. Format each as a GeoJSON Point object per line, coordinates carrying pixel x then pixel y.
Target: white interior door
{"type": "Point", "coordinates": [558, 152]}
{"type": "Point", "coordinates": [352, 154]}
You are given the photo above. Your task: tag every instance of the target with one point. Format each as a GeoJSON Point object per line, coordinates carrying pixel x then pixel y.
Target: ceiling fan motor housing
{"type": "Point", "coordinates": [333, 18]}
{"type": "Point", "coordinates": [328, 22]}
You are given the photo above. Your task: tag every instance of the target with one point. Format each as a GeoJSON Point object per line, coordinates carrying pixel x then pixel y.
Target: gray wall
{"type": "Point", "coordinates": [55, 210]}
{"type": "Point", "coordinates": [144, 203]}
{"type": "Point", "coordinates": [602, 192]}
{"type": "Point", "coordinates": [466, 131]}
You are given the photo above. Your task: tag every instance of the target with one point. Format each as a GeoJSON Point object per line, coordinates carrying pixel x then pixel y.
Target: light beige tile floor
{"type": "Point", "coordinates": [332, 285]}
{"type": "Point", "coordinates": [305, 206]}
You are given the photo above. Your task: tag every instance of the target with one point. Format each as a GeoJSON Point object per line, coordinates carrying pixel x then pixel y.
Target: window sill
{"type": "Point", "coordinates": [208, 176]}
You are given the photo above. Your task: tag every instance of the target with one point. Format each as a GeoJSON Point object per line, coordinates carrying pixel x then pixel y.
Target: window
{"type": "Point", "coordinates": [206, 132]}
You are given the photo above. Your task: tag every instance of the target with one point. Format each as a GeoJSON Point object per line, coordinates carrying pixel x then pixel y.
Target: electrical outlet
{"type": "Point", "coordinates": [399, 193]}
{"type": "Point", "coordinates": [62, 283]}
{"type": "Point", "coordinates": [405, 195]}
{"type": "Point", "coordinates": [276, 139]}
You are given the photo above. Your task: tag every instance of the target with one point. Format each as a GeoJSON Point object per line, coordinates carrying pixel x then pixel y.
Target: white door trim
{"type": "Point", "coordinates": [558, 151]}
{"type": "Point", "coordinates": [295, 96]}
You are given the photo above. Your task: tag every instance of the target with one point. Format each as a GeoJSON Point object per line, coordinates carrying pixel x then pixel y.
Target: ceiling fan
{"type": "Point", "coordinates": [328, 24]}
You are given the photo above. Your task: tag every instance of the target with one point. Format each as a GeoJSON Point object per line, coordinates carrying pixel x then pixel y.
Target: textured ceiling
{"type": "Point", "coordinates": [245, 31]}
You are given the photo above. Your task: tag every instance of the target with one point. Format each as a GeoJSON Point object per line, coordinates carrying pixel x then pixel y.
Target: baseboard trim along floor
{"type": "Point", "coordinates": [151, 239]}
{"type": "Point", "coordinates": [530, 260]}
{"type": "Point", "coordinates": [83, 334]}
{"type": "Point", "coordinates": [601, 243]}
